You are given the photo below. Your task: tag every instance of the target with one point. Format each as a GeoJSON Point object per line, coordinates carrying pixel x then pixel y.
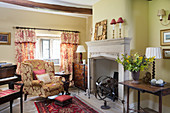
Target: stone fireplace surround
{"type": "Point", "coordinates": [107, 49]}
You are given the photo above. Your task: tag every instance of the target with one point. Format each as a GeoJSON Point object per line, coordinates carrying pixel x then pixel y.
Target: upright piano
{"type": "Point", "coordinates": [7, 74]}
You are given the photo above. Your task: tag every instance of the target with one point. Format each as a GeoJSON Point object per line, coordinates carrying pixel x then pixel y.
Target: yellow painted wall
{"type": "Point", "coordinates": [12, 17]}
{"type": "Point", "coordinates": [105, 9]}
{"type": "Point", "coordinates": [163, 65]}
{"type": "Point", "coordinates": [134, 12]}
{"type": "Point", "coordinates": [143, 26]}
{"type": "Point", "coordinates": [88, 34]}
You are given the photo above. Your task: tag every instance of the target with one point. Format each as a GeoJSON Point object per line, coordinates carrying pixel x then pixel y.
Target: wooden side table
{"type": "Point", "coordinates": [143, 87]}
{"type": "Point", "coordinates": [66, 82]}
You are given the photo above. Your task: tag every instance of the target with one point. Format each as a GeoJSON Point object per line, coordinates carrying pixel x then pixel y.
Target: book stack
{"type": "Point", "coordinates": [4, 64]}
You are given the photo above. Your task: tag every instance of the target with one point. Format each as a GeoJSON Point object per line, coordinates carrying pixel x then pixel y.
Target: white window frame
{"type": "Point", "coordinates": [39, 48]}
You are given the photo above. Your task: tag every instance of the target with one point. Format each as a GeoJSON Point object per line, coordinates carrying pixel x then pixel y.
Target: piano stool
{"type": "Point", "coordinates": [11, 94]}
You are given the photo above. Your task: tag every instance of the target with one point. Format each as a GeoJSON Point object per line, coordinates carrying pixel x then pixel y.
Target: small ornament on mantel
{"type": "Point", "coordinates": [113, 22]}
{"type": "Point", "coordinates": [120, 21]}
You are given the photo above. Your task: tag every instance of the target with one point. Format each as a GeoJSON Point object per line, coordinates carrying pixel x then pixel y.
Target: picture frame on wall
{"type": "Point", "coordinates": [101, 30]}
{"type": "Point", "coordinates": [166, 53]}
{"type": "Point", "coordinates": [5, 38]}
{"type": "Point", "coordinates": [165, 37]}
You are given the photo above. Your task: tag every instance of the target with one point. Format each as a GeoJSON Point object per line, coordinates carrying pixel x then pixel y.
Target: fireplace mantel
{"type": "Point", "coordinates": [110, 48]}
{"type": "Point", "coordinates": [118, 41]}
{"type": "Point", "coordinates": [107, 49]}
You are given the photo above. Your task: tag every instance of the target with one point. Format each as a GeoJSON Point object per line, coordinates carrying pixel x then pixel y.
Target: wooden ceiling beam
{"type": "Point", "coordinates": [31, 4]}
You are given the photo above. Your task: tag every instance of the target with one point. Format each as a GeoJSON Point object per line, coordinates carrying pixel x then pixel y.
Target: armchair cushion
{"type": "Point", "coordinates": [42, 71]}
{"type": "Point", "coordinates": [37, 83]}
{"type": "Point", "coordinates": [44, 77]}
{"type": "Point", "coordinates": [52, 86]}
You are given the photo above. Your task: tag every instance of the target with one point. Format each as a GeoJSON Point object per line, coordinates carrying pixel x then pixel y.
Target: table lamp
{"type": "Point", "coordinates": [113, 22]}
{"type": "Point", "coordinates": [153, 52]}
{"type": "Point", "coordinates": [80, 49]}
{"type": "Point", "coordinates": [120, 21]}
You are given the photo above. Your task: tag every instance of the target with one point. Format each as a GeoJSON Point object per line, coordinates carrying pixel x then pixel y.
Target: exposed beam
{"type": "Point", "coordinates": [31, 4]}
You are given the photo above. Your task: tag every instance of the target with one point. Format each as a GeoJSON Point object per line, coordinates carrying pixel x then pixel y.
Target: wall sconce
{"type": "Point", "coordinates": [161, 14]}
{"type": "Point", "coordinates": [113, 22]}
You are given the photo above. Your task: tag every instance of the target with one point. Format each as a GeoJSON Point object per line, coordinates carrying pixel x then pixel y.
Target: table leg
{"type": "Point", "coordinates": [138, 101]}
{"type": "Point", "coordinates": [160, 102]}
{"type": "Point", "coordinates": [128, 100]}
{"type": "Point", "coordinates": [66, 84]}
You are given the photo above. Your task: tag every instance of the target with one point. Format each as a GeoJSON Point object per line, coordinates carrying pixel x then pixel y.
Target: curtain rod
{"type": "Point", "coordinates": [46, 29]}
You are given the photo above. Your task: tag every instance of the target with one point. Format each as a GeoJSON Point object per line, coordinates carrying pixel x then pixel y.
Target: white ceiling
{"type": "Point", "coordinates": [71, 3]}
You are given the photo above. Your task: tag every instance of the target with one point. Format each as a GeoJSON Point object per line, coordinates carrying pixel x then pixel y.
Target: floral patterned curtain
{"type": "Point", "coordinates": [69, 43]}
{"type": "Point", "coordinates": [25, 40]}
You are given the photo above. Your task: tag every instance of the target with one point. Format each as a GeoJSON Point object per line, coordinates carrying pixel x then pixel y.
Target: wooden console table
{"type": "Point", "coordinates": [143, 87]}
{"type": "Point", "coordinates": [66, 82]}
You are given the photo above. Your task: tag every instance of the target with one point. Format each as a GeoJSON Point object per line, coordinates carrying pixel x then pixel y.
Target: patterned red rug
{"type": "Point", "coordinates": [77, 106]}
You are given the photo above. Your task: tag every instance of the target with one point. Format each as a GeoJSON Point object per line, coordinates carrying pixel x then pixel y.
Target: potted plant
{"type": "Point", "coordinates": [135, 64]}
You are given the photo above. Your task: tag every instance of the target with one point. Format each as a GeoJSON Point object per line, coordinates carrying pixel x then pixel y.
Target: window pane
{"type": "Point", "coordinates": [46, 49]}
{"type": "Point", "coordinates": [56, 49]}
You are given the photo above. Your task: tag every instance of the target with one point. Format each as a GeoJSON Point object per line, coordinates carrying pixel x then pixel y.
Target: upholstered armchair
{"type": "Point", "coordinates": [38, 87]}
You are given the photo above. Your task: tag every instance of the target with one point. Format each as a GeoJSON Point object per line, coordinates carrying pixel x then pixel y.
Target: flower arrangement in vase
{"type": "Point", "coordinates": [135, 64]}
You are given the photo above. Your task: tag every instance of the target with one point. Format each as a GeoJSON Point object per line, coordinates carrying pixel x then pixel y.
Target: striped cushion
{"type": "Point", "coordinates": [7, 92]}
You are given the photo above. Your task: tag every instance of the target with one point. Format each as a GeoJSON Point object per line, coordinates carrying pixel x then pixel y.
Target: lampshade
{"type": "Point", "coordinates": [113, 21]}
{"type": "Point", "coordinates": [161, 12]}
{"type": "Point", "coordinates": [153, 51]}
{"type": "Point", "coordinates": [80, 49]}
{"type": "Point", "coordinates": [120, 20]}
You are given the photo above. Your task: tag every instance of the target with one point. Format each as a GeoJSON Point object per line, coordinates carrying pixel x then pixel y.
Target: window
{"type": "Point", "coordinates": [45, 49]}
{"type": "Point", "coordinates": [48, 49]}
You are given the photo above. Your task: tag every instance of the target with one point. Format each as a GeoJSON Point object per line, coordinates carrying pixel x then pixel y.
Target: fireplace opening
{"type": "Point", "coordinates": [107, 87]}
{"type": "Point", "coordinates": [104, 67]}
{"type": "Point", "coordinates": [106, 70]}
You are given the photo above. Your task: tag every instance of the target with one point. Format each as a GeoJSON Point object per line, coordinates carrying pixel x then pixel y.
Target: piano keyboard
{"type": "Point", "coordinates": [7, 79]}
